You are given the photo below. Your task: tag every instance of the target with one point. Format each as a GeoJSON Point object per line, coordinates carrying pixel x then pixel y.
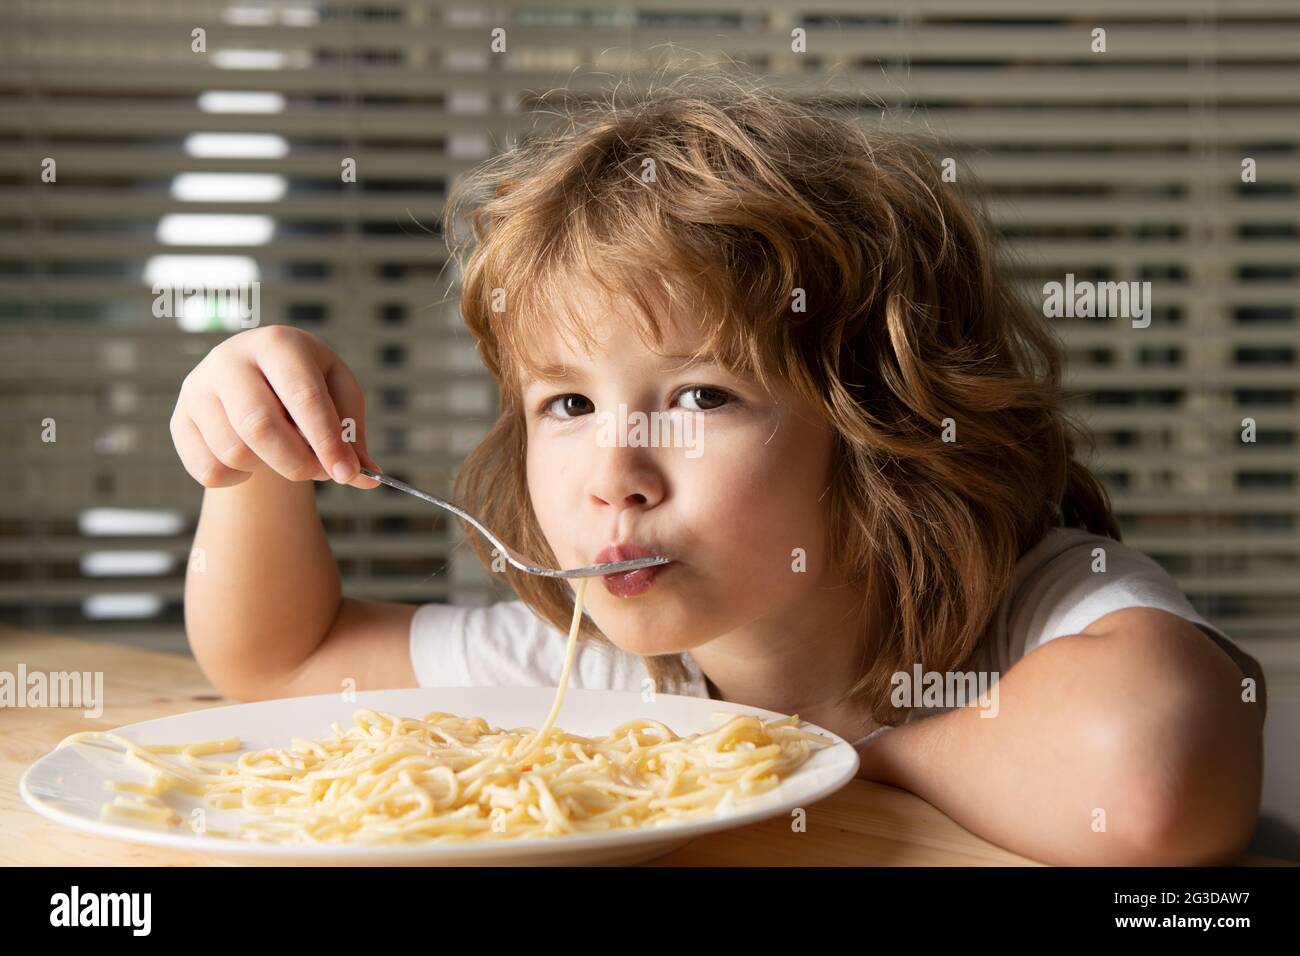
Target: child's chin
{"type": "Point", "coordinates": [647, 631]}
{"type": "Point", "coordinates": [648, 645]}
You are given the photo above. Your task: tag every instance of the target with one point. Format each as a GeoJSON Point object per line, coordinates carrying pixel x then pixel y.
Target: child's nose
{"type": "Point", "coordinates": [625, 478]}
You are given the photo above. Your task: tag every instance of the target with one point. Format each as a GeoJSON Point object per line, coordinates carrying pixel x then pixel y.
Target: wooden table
{"type": "Point", "coordinates": [864, 824]}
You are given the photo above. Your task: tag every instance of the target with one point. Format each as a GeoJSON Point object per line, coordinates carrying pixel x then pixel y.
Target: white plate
{"type": "Point", "coordinates": [67, 784]}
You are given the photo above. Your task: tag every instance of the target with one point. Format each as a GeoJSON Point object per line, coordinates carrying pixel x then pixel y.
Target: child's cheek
{"type": "Point", "coordinates": [776, 500]}
{"type": "Point", "coordinates": [548, 475]}
{"type": "Point", "coordinates": [757, 503]}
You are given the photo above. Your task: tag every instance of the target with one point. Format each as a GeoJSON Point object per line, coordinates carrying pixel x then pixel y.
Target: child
{"type": "Point", "coordinates": [882, 486]}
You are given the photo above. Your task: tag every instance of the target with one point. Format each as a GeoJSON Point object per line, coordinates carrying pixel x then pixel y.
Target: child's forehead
{"type": "Point", "coordinates": [616, 346]}
{"type": "Point", "coordinates": [585, 326]}
{"type": "Point", "coordinates": [616, 335]}
{"type": "Point", "coordinates": [568, 321]}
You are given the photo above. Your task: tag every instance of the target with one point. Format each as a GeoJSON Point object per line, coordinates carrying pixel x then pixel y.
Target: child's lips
{"type": "Point", "coordinates": [626, 551]}
{"type": "Point", "coordinates": [629, 583]}
{"type": "Point", "coordinates": [632, 583]}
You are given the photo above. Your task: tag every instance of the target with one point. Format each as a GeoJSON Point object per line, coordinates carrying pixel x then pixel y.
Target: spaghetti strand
{"type": "Point", "coordinates": [445, 778]}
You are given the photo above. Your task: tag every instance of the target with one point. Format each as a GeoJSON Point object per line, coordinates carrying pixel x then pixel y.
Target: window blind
{"type": "Point", "coordinates": [1122, 165]}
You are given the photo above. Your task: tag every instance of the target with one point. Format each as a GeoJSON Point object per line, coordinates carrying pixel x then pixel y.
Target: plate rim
{"type": "Point", "coordinates": [486, 850]}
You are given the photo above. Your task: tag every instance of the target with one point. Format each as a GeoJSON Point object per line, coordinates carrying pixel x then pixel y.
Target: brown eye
{"type": "Point", "coordinates": [705, 399]}
{"type": "Point", "coordinates": [570, 406]}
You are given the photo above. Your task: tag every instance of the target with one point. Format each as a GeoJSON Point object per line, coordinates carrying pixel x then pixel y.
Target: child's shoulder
{"type": "Point", "coordinates": [1073, 577]}
{"type": "Point", "coordinates": [1059, 540]}
{"type": "Point", "coordinates": [1073, 561]}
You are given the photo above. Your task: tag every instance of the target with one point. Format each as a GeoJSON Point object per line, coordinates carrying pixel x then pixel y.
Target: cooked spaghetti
{"type": "Point", "coordinates": [444, 778]}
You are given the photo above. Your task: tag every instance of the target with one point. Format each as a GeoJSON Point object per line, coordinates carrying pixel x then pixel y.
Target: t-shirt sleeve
{"type": "Point", "coordinates": [507, 645]}
{"type": "Point", "coordinates": [1065, 595]}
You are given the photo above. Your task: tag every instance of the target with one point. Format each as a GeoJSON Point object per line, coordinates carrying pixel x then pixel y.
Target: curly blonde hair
{"type": "Point", "coordinates": [751, 195]}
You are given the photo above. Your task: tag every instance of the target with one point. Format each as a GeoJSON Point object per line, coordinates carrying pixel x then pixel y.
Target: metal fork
{"type": "Point", "coordinates": [591, 571]}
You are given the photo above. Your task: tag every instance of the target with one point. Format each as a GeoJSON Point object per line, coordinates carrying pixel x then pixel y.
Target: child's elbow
{"type": "Point", "coordinates": [1170, 835]}
{"type": "Point", "coordinates": [1196, 808]}
{"type": "Point", "coordinates": [237, 684]}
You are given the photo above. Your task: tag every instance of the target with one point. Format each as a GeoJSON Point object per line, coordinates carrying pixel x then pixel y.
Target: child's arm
{"type": "Point", "coordinates": [266, 618]}
{"type": "Point", "coordinates": [256, 422]}
{"type": "Point", "coordinates": [1139, 717]}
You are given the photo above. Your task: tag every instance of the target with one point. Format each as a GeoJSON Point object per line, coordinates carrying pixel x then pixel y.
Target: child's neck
{"type": "Point", "coordinates": [801, 668]}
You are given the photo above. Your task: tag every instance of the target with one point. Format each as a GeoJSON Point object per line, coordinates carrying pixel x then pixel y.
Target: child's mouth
{"type": "Point", "coordinates": [629, 583]}
{"type": "Point", "coordinates": [632, 583]}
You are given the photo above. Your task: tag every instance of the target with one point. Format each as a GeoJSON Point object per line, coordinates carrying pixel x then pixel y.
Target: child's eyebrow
{"type": "Point", "coordinates": [556, 372]}
{"type": "Point", "coordinates": [553, 372]}
{"type": "Point", "coordinates": [692, 361]}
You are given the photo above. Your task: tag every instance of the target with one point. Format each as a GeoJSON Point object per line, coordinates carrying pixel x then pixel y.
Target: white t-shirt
{"type": "Point", "coordinates": [1054, 592]}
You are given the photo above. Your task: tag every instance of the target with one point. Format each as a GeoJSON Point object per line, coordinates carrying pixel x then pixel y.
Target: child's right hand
{"type": "Point", "coordinates": [271, 398]}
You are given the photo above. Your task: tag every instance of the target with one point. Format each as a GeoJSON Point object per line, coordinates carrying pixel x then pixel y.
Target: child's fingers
{"type": "Point", "coordinates": [258, 419]}
{"type": "Point", "coordinates": [350, 400]}
{"type": "Point", "coordinates": [361, 481]}
{"type": "Point", "coordinates": [213, 422]}
{"type": "Point", "coordinates": [202, 465]}
{"type": "Point", "coordinates": [303, 391]}
{"type": "Point", "coordinates": [211, 419]}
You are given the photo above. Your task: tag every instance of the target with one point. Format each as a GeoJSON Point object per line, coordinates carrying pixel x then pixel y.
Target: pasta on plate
{"type": "Point", "coordinates": [442, 778]}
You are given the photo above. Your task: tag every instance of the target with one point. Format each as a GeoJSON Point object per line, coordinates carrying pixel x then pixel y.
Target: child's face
{"type": "Point", "coordinates": [731, 509]}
